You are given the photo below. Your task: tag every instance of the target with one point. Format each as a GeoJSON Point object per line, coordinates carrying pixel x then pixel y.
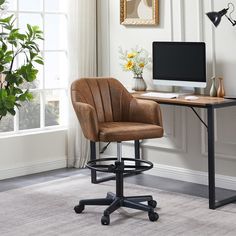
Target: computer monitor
{"type": "Point", "coordinates": [179, 64]}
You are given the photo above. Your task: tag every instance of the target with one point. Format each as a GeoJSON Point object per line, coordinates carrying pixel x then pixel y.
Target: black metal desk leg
{"type": "Point", "coordinates": [211, 156]}
{"type": "Point", "coordinates": [93, 157]}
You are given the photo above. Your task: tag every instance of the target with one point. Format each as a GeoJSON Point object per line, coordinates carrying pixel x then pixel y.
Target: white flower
{"type": "Point", "coordinates": [134, 60]}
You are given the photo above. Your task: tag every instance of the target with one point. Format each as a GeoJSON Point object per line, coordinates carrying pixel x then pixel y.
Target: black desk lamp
{"type": "Point", "coordinates": [215, 17]}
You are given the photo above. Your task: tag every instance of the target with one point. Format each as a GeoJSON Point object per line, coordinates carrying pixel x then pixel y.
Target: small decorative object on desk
{"type": "Point", "coordinates": [221, 90]}
{"type": "Point", "coordinates": [213, 90]}
{"type": "Point", "coordinates": [135, 60]}
{"type": "Point", "coordinates": [139, 83]}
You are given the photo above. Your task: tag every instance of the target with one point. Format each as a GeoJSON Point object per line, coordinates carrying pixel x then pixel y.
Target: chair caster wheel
{"type": "Point", "coordinates": [78, 209]}
{"type": "Point", "coordinates": [105, 220]}
{"type": "Point", "coordinates": [153, 216]}
{"type": "Point", "coordinates": [152, 203]}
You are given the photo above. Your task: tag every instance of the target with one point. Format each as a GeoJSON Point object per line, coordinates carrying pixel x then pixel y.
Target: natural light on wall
{"type": "Point", "coordinates": [48, 110]}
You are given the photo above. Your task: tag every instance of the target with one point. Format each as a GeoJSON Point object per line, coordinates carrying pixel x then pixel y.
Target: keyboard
{"type": "Point", "coordinates": [161, 95]}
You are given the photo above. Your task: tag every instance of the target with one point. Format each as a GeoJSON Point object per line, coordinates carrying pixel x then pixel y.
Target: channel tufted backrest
{"type": "Point", "coordinates": [108, 96]}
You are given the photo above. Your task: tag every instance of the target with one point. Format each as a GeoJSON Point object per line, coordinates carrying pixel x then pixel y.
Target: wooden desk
{"type": "Point", "coordinates": [210, 104]}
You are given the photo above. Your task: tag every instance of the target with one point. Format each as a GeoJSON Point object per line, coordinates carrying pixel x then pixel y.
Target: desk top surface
{"type": "Point", "coordinates": [202, 101]}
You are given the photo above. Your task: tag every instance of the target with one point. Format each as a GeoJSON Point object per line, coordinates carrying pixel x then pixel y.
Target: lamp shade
{"type": "Point", "coordinates": [215, 17]}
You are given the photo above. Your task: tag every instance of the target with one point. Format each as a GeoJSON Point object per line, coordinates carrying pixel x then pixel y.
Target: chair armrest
{"type": "Point", "coordinates": [145, 111]}
{"type": "Point", "coordinates": [88, 120]}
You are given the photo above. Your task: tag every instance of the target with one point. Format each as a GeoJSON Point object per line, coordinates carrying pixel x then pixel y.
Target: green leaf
{"type": "Point", "coordinates": [30, 96]}
{"type": "Point", "coordinates": [3, 94]}
{"type": "Point", "coordinates": [1, 68]}
{"type": "Point", "coordinates": [17, 105]}
{"type": "Point", "coordinates": [39, 62]}
{"type": "Point", "coordinates": [6, 20]}
{"type": "Point", "coordinates": [2, 2]}
{"type": "Point", "coordinates": [8, 59]}
{"type": "Point", "coordinates": [26, 96]}
{"type": "Point", "coordinates": [12, 111]}
{"type": "Point", "coordinates": [30, 30]}
{"type": "Point", "coordinates": [3, 111]}
{"type": "Point", "coordinates": [41, 38]}
{"type": "Point", "coordinates": [4, 47]}
{"type": "Point", "coordinates": [32, 55]}
{"type": "Point", "coordinates": [17, 90]}
{"type": "Point", "coordinates": [21, 36]}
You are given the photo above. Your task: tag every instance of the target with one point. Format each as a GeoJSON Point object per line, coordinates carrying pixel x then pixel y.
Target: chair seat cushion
{"type": "Point", "coordinates": [124, 131]}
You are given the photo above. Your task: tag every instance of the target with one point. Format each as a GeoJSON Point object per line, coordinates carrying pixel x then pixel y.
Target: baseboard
{"type": "Point", "coordinates": [33, 168]}
{"type": "Point", "coordinates": [187, 175]}
{"type": "Point", "coordinates": [198, 177]}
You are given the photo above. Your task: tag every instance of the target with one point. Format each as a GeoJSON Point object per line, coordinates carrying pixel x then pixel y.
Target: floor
{"type": "Point", "coordinates": [141, 179]}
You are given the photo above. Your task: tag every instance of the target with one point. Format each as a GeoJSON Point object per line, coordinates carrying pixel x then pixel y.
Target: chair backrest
{"type": "Point", "coordinates": [108, 96]}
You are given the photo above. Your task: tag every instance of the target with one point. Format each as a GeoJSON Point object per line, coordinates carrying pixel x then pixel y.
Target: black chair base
{"type": "Point", "coordinates": [115, 202]}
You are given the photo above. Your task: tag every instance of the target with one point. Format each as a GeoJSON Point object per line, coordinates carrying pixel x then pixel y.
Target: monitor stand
{"type": "Point", "coordinates": [184, 90]}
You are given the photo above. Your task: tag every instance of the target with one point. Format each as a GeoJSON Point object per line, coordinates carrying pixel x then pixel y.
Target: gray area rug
{"type": "Point", "coordinates": [47, 209]}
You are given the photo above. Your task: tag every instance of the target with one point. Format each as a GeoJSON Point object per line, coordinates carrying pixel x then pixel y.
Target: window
{"type": "Point", "coordinates": [49, 107]}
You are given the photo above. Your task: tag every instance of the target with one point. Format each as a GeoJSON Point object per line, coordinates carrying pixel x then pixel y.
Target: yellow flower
{"type": "Point", "coordinates": [129, 65]}
{"type": "Point", "coordinates": [131, 55]}
{"type": "Point", "coordinates": [141, 65]}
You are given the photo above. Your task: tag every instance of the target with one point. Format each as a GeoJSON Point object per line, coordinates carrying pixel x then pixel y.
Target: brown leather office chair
{"type": "Point", "coordinates": [107, 112]}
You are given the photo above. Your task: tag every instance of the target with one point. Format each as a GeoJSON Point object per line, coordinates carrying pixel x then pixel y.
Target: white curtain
{"type": "Point", "coordinates": [82, 57]}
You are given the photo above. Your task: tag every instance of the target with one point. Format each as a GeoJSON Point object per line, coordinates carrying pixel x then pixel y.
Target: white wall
{"type": "Point", "coordinates": [184, 145]}
{"type": "Point", "coordinates": [32, 153]}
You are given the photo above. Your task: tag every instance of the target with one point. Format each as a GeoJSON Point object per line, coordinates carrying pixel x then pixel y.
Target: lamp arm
{"type": "Point", "coordinates": [233, 22]}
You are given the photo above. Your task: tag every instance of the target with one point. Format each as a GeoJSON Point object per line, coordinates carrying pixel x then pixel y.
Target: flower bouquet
{"type": "Point", "coordinates": [135, 61]}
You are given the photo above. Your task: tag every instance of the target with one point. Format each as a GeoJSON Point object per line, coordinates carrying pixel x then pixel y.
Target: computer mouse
{"type": "Point", "coordinates": [191, 97]}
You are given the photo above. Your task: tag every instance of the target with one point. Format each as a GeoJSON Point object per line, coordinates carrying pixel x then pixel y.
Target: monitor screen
{"type": "Point", "coordinates": [179, 63]}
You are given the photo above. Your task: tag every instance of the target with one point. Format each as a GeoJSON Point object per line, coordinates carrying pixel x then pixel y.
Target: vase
{"type": "Point", "coordinates": [221, 89]}
{"type": "Point", "coordinates": [213, 90]}
{"type": "Point", "coordinates": [139, 83]}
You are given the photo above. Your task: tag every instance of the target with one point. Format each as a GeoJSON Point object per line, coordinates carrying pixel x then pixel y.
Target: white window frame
{"type": "Point", "coordinates": [42, 90]}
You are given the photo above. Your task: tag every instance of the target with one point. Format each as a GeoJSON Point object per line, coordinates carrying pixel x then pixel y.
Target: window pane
{"type": "Point", "coordinates": [55, 32]}
{"type": "Point", "coordinates": [56, 5]}
{"type": "Point", "coordinates": [30, 18]}
{"type": "Point", "coordinates": [11, 5]}
{"type": "Point", "coordinates": [56, 72]}
{"type": "Point", "coordinates": [55, 107]}
{"type": "Point", "coordinates": [30, 5]}
{"type": "Point", "coordinates": [7, 124]}
{"type": "Point", "coordinates": [52, 108]}
{"type": "Point", "coordinates": [29, 113]}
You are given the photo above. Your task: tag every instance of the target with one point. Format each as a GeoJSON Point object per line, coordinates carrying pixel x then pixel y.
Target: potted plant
{"type": "Point", "coordinates": [135, 60]}
{"type": "Point", "coordinates": [14, 43]}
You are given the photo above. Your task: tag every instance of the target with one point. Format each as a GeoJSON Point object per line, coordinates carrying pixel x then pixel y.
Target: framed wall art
{"type": "Point", "coordinates": [139, 12]}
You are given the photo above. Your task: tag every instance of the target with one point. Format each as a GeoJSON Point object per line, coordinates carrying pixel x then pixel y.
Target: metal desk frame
{"type": "Point", "coordinates": [210, 125]}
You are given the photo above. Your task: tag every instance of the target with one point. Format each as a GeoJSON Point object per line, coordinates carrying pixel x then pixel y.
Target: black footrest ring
{"type": "Point", "coordinates": [139, 165]}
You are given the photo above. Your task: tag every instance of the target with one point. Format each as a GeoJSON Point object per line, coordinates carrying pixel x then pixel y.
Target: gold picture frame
{"type": "Point", "coordinates": [139, 12]}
